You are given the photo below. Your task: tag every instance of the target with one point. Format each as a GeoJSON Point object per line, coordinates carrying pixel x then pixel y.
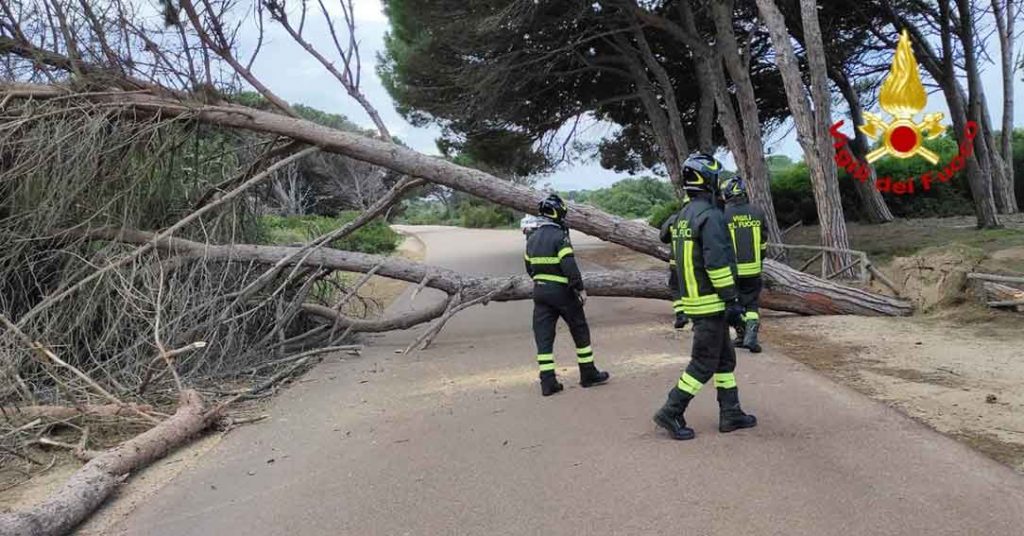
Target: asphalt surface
{"type": "Point", "coordinates": [457, 440]}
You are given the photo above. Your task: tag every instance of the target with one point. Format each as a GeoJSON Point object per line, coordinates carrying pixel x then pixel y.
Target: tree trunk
{"type": "Point", "coordinates": [974, 105]}
{"type": "Point", "coordinates": [812, 126]}
{"type": "Point", "coordinates": [584, 218]}
{"type": "Point", "coordinates": [942, 69]}
{"type": "Point", "coordinates": [88, 487]}
{"type": "Point", "coordinates": [661, 122]}
{"type": "Point", "coordinates": [875, 209]}
{"type": "Point", "coordinates": [786, 289]}
{"type": "Point", "coordinates": [757, 176]}
{"type": "Point", "coordinates": [1005, 13]}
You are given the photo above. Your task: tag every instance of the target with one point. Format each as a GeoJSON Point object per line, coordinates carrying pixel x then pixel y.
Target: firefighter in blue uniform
{"type": "Point", "coordinates": [746, 223]}
{"type": "Point", "coordinates": [558, 292]}
{"type": "Point", "coordinates": [707, 279]}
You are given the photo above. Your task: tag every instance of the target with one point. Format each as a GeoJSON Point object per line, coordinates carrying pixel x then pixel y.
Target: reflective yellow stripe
{"type": "Point", "coordinates": [582, 360]}
{"type": "Point", "coordinates": [732, 233]}
{"type": "Point", "coordinates": [757, 245]}
{"type": "Point", "coordinates": [719, 272]}
{"type": "Point", "coordinates": [545, 357]}
{"type": "Point", "coordinates": [552, 278]}
{"type": "Point", "coordinates": [751, 315]}
{"type": "Point", "coordinates": [749, 268]}
{"type": "Point", "coordinates": [544, 367]}
{"type": "Point", "coordinates": [584, 350]}
{"type": "Point", "coordinates": [723, 283]}
{"type": "Point", "coordinates": [704, 309]}
{"type": "Point", "coordinates": [689, 384]}
{"type": "Point", "coordinates": [725, 380]}
{"type": "Point", "coordinates": [564, 251]}
{"type": "Point", "coordinates": [543, 260]}
{"type": "Point", "coordinates": [702, 300]}
{"type": "Point", "coordinates": [691, 280]}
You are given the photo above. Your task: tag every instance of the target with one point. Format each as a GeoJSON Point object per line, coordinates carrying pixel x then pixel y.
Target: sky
{"type": "Point", "coordinates": [298, 78]}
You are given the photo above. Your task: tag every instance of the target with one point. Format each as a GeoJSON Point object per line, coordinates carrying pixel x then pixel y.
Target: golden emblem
{"type": "Point", "coordinates": [903, 97]}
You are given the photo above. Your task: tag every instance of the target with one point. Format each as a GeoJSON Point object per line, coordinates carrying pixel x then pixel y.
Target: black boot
{"type": "Point", "coordinates": [731, 416]}
{"type": "Point", "coordinates": [549, 384]}
{"type": "Point", "coordinates": [670, 416]}
{"type": "Point", "coordinates": [750, 338]}
{"type": "Point", "coordinates": [681, 320]}
{"type": "Point", "coordinates": [740, 334]}
{"type": "Point", "coordinates": [590, 376]}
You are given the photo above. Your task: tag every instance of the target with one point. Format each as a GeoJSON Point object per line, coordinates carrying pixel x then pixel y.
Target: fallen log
{"type": "Point", "coordinates": [68, 412]}
{"type": "Point", "coordinates": [997, 295]}
{"type": "Point", "coordinates": [788, 290]}
{"type": "Point", "coordinates": [587, 219]}
{"type": "Point", "coordinates": [88, 487]}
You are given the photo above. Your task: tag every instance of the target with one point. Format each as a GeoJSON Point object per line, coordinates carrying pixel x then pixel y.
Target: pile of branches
{"type": "Point", "coordinates": [139, 326]}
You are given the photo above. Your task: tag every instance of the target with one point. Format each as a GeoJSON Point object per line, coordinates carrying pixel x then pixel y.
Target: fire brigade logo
{"type": "Point", "coordinates": [903, 97]}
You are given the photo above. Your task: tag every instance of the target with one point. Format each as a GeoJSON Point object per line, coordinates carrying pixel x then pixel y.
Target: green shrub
{"type": "Point", "coordinates": [375, 237]}
{"type": "Point", "coordinates": [485, 216]}
{"type": "Point", "coordinates": [629, 198]}
{"type": "Point", "coordinates": [661, 212]}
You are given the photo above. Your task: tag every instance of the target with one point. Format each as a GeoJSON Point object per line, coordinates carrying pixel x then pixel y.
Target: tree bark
{"type": "Point", "coordinates": [812, 125]}
{"type": "Point", "coordinates": [1005, 12]}
{"type": "Point", "coordinates": [974, 102]}
{"type": "Point", "coordinates": [875, 209]}
{"type": "Point", "coordinates": [757, 176]}
{"type": "Point", "coordinates": [88, 487]}
{"type": "Point", "coordinates": [584, 218]}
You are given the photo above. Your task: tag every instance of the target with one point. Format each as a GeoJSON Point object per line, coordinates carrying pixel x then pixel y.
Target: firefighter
{"type": "Point", "coordinates": [667, 230]}
{"type": "Point", "coordinates": [558, 292]}
{"type": "Point", "coordinates": [706, 266]}
{"type": "Point", "coordinates": [746, 223]}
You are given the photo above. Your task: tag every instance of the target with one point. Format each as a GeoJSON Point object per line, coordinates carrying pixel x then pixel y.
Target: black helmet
{"type": "Point", "coordinates": [732, 187]}
{"type": "Point", "coordinates": [552, 207]}
{"type": "Point", "coordinates": [700, 173]}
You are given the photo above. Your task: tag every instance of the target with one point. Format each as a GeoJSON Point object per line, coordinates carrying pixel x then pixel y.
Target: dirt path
{"type": "Point", "coordinates": [457, 440]}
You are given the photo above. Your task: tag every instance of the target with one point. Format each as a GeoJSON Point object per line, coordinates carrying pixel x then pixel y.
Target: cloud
{"type": "Point", "coordinates": [366, 11]}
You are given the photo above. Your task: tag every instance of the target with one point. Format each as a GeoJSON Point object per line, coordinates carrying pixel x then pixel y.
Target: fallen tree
{"type": "Point", "coordinates": [790, 291]}
{"type": "Point", "coordinates": [787, 289]}
{"type": "Point", "coordinates": [96, 480]}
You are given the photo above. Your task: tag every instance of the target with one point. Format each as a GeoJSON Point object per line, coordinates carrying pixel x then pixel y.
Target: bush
{"type": "Point", "coordinates": [486, 216]}
{"type": "Point", "coordinates": [662, 212]}
{"type": "Point", "coordinates": [794, 198]}
{"type": "Point", "coordinates": [376, 237]}
{"type": "Point", "coordinates": [629, 198]}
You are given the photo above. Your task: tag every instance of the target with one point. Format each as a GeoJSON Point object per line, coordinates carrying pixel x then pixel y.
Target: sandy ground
{"type": "Point", "coordinates": [966, 381]}
{"type": "Point", "coordinates": [457, 440]}
{"type": "Point", "coordinates": [958, 371]}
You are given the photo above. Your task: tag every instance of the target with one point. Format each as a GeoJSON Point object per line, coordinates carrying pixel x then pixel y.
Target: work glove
{"type": "Point", "coordinates": [734, 313]}
{"type": "Point", "coordinates": [582, 295]}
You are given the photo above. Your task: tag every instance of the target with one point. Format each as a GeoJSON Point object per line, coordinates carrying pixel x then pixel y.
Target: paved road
{"type": "Point", "coordinates": [457, 440]}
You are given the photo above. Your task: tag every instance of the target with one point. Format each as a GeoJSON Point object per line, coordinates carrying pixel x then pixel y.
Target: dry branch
{"type": "Point", "coordinates": [68, 412]}
{"type": "Point", "coordinates": [96, 480]}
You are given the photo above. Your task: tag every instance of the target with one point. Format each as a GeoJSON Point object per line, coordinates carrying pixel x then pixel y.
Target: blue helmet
{"type": "Point", "coordinates": [553, 207]}
{"type": "Point", "coordinates": [732, 187]}
{"type": "Point", "coordinates": [700, 173]}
